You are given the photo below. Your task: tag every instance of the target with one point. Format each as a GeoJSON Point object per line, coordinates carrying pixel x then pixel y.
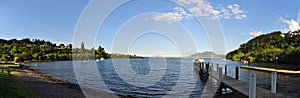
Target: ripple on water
{"type": "Point", "coordinates": [289, 84]}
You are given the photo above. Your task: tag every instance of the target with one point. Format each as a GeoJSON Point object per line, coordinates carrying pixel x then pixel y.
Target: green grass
{"type": "Point", "coordinates": [11, 88]}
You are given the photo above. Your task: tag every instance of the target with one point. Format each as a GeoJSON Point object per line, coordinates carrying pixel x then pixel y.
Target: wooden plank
{"type": "Point", "coordinates": [271, 70]}
{"type": "Point", "coordinates": [243, 87]}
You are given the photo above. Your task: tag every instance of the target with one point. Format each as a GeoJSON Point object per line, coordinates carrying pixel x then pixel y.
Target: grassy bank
{"type": "Point", "coordinates": [11, 88]}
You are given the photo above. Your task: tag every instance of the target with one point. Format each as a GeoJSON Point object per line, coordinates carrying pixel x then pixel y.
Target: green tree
{"type": "Point", "coordinates": [266, 47]}
{"type": "Point", "coordinates": [15, 50]}
{"type": "Point", "coordinates": [26, 56]}
{"type": "Point", "coordinates": [82, 48]}
{"type": "Point", "coordinates": [61, 45]}
{"type": "Point", "coordinates": [3, 58]}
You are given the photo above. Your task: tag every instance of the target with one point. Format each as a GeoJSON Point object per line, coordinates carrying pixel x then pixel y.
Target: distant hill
{"type": "Point", "coordinates": [265, 48]}
{"type": "Point", "coordinates": [207, 54]}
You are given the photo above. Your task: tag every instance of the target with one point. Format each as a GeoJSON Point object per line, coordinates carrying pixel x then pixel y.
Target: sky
{"type": "Point", "coordinates": [150, 27]}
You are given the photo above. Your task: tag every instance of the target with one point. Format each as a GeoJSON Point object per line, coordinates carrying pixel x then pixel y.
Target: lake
{"type": "Point", "coordinates": [156, 77]}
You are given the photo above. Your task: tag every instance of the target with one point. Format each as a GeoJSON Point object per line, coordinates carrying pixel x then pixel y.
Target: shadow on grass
{"type": "Point", "coordinates": [11, 88]}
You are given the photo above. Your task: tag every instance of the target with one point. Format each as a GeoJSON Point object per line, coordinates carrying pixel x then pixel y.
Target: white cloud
{"type": "Point", "coordinates": [200, 8]}
{"type": "Point", "coordinates": [178, 15]}
{"type": "Point", "coordinates": [255, 33]}
{"type": "Point", "coordinates": [298, 17]}
{"type": "Point", "coordinates": [236, 11]}
{"type": "Point", "coordinates": [225, 13]}
{"type": "Point", "coordinates": [290, 25]}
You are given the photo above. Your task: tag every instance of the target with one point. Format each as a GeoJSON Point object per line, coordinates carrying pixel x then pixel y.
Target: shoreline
{"type": "Point", "coordinates": [43, 85]}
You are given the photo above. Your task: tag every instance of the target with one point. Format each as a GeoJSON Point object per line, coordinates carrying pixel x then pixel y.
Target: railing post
{"type": "Point", "coordinates": [211, 69]}
{"type": "Point", "coordinates": [252, 86]}
{"type": "Point", "coordinates": [220, 74]}
{"type": "Point", "coordinates": [220, 79]}
{"type": "Point", "coordinates": [207, 67]}
{"type": "Point", "coordinates": [273, 82]}
{"type": "Point", "coordinates": [225, 69]}
{"type": "Point", "coordinates": [237, 73]}
{"type": "Point", "coordinates": [217, 67]}
{"type": "Point", "coordinates": [202, 65]}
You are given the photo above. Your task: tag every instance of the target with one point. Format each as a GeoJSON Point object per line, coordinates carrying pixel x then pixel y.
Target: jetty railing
{"type": "Point", "coordinates": [247, 89]}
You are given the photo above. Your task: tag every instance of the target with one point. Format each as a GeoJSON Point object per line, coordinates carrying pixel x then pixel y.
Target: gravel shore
{"type": "Point", "coordinates": [45, 86]}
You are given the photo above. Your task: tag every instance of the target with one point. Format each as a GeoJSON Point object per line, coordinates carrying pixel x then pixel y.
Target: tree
{"type": "Point", "coordinates": [101, 53]}
{"type": "Point", "coordinates": [82, 49]}
{"type": "Point", "coordinates": [26, 56]}
{"type": "Point", "coordinates": [15, 50]}
{"type": "Point", "coordinates": [3, 58]}
{"type": "Point", "coordinates": [61, 45]}
{"type": "Point", "coordinates": [266, 47]}
{"type": "Point", "coordinates": [70, 46]}
{"type": "Point", "coordinates": [37, 49]}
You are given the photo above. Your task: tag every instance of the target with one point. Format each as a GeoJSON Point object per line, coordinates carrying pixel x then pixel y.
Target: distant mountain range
{"type": "Point", "coordinates": [207, 54]}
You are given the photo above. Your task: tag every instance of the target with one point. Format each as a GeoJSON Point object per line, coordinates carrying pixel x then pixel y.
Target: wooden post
{"type": "Point", "coordinates": [273, 82]}
{"type": "Point", "coordinates": [207, 67]}
{"type": "Point", "coordinates": [220, 78]}
{"type": "Point", "coordinates": [198, 64]}
{"type": "Point", "coordinates": [220, 74]}
{"type": "Point", "coordinates": [211, 67]}
{"type": "Point", "coordinates": [202, 65]}
{"type": "Point", "coordinates": [201, 72]}
{"type": "Point", "coordinates": [252, 86]}
{"type": "Point", "coordinates": [201, 69]}
{"type": "Point", "coordinates": [249, 61]}
{"type": "Point", "coordinates": [225, 69]}
{"type": "Point", "coordinates": [217, 67]}
{"type": "Point", "coordinates": [237, 73]}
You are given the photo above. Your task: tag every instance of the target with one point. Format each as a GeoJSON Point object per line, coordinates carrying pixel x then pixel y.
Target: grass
{"type": "Point", "coordinates": [11, 88]}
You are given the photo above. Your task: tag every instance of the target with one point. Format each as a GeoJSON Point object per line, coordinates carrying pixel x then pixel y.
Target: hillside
{"type": "Point", "coordinates": [41, 50]}
{"type": "Point", "coordinates": [207, 54]}
{"type": "Point", "coordinates": [265, 48]}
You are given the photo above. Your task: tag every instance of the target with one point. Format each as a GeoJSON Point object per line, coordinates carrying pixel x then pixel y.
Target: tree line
{"type": "Point", "coordinates": [265, 48]}
{"type": "Point", "coordinates": [41, 50]}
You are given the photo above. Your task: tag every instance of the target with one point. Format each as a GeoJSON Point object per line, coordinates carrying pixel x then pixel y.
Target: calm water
{"type": "Point", "coordinates": [155, 77]}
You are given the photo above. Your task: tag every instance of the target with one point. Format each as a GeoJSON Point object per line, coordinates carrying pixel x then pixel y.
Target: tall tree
{"type": "Point", "coordinates": [82, 49]}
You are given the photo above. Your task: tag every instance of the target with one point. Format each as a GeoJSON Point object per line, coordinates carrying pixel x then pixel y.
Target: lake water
{"type": "Point", "coordinates": [156, 77]}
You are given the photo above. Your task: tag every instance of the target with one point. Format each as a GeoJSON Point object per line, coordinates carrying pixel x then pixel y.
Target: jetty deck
{"type": "Point", "coordinates": [271, 70]}
{"type": "Point", "coordinates": [236, 85]}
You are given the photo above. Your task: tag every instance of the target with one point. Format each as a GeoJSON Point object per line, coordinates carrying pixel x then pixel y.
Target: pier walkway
{"type": "Point", "coordinates": [234, 84]}
{"type": "Point", "coordinates": [271, 70]}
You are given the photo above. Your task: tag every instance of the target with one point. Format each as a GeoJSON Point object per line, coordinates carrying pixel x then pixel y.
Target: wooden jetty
{"type": "Point", "coordinates": [244, 88]}
{"type": "Point", "coordinates": [271, 70]}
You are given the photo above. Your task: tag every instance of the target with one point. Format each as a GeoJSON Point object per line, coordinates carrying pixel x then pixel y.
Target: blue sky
{"type": "Point", "coordinates": [56, 20]}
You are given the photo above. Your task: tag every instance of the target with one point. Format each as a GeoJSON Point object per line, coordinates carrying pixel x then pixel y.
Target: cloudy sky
{"type": "Point", "coordinates": [239, 21]}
